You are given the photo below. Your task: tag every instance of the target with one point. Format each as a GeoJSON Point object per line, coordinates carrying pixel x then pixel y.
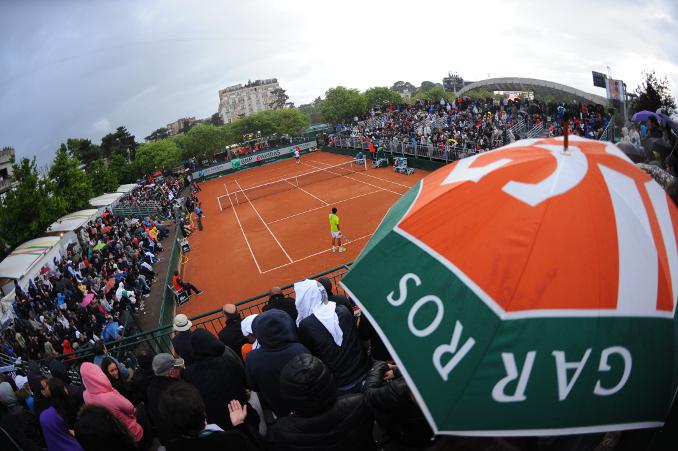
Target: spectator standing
{"type": "Point", "coordinates": [278, 344]}
{"type": "Point", "coordinates": [218, 377]}
{"type": "Point", "coordinates": [181, 342]}
{"type": "Point", "coordinates": [183, 410]}
{"type": "Point", "coordinates": [98, 390]}
{"type": "Point", "coordinates": [395, 409]}
{"type": "Point", "coordinates": [54, 421]}
{"type": "Point", "coordinates": [330, 332]}
{"type": "Point", "coordinates": [167, 371]}
{"type": "Point", "coordinates": [97, 429]}
{"type": "Point", "coordinates": [278, 300]}
{"type": "Point", "coordinates": [231, 335]}
{"type": "Point", "coordinates": [142, 376]}
{"type": "Point", "coordinates": [319, 419]}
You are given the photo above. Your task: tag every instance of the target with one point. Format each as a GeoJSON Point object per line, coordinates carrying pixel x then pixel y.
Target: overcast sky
{"type": "Point", "coordinates": [82, 68]}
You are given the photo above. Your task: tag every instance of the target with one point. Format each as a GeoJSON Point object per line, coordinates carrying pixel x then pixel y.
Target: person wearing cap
{"type": "Point", "coordinates": [167, 372]}
{"type": "Point", "coordinates": [231, 335]}
{"type": "Point", "coordinates": [319, 419]}
{"type": "Point", "coordinates": [182, 338]}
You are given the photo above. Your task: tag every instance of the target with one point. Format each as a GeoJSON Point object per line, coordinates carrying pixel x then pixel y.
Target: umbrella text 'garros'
{"type": "Point", "coordinates": [522, 376]}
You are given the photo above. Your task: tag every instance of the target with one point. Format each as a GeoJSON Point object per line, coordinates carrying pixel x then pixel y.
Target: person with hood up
{"type": "Point", "coordinates": [330, 332]}
{"type": "Point", "coordinates": [319, 419]}
{"type": "Point", "coordinates": [219, 378]}
{"type": "Point", "coordinates": [278, 344]}
{"type": "Point", "coordinates": [98, 390]}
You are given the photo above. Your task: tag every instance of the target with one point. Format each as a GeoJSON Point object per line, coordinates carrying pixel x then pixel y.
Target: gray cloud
{"type": "Point", "coordinates": [81, 68]}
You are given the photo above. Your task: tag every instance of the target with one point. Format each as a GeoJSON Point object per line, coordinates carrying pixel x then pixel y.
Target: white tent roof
{"type": "Point", "coordinates": [72, 221]}
{"type": "Point", "coordinates": [105, 199]}
{"type": "Point", "coordinates": [16, 264]}
{"type": "Point", "coordinates": [126, 188]}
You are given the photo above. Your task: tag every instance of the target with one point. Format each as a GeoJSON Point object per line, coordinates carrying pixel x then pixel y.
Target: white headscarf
{"type": "Point", "coordinates": [311, 299]}
{"type": "Point", "coordinates": [246, 328]}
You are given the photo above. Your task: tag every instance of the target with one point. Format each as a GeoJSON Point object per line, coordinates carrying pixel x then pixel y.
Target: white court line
{"type": "Point", "coordinates": [244, 235]}
{"type": "Point", "coordinates": [319, 208]}
{"type": "Point", "coordinates": [302, 189]}
{"type": "Point", "coordinates": [356, 180]}
{"type": "Point", "coordinates": [314, 255]}
{"type": "Point", "coordinates": [368, 175]}
{"type": "Point", "coordinates": [264, 222]}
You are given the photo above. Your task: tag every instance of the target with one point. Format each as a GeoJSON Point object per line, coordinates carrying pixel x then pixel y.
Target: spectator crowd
{"type": "Point", "coordinates": [305, 373]}
{"type": "Point", "coordinates": [473, 125]}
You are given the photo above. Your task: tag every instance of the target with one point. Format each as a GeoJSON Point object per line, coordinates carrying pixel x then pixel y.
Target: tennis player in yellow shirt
{"type": "Point", "coordinates": [335, 232]}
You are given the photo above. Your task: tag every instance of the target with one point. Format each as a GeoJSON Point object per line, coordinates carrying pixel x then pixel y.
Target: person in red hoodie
{"type": "Point", "coordinates": [98, 390]}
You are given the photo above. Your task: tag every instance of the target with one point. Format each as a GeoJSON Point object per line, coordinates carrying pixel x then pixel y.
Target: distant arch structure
{"type": "Point", "coordinates": [539, 87]}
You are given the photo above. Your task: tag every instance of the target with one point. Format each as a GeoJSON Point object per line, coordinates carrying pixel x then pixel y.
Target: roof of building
{"type": "Point", "coordinates": [544, 87]}
{"type": "Point", "coordinates": [72, 221]}
{"type": "Point", "coordinates": [22, 259]}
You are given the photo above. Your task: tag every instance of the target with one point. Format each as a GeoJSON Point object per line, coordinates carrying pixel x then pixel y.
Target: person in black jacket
{"type": "Point", "coordinates": [394, 407]}
{"type": "Point", "coordinates": [219, 378]}
{"type": "Point", "coordinates": [183, 410]}
{"type": "Point", "coordinates": [319, 419]}
{"type": "Point", "coordinates": [278, 343]}
{"type": "Point", "coordinates": [142, 376]}
{"type": "Point", "coordinates": [277, 300]}
{"type": "Point", "coordinates": [167, 372]}
{"type": "Point", "coordinates": [231, 335]}
{"type": "Point", "coordinates": [58, 369]}
{"type": "Point", "coordinates": [336, 298]}
{"type": "Point", "coordinates": [329, 331]}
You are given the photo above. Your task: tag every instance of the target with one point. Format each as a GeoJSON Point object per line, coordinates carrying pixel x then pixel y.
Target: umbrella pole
{"type": "Point", "coordinates": [566, 131]}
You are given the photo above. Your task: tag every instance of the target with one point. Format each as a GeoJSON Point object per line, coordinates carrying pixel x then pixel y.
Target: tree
{"type": "Point", "coordinates": [342, 104]}
{"type": "Point", "coordinates": [312, 110]}
{"type": "Point", "coordinates": [289, 121]}
{"type": "Point", "coordinates": [69, 181]}
{"type": "Point", "coordinates": [279, 99]}
{"type": "Point", "coordinates": [120, 142]}
{"type": "Point", "coordinates": [204, 140]}
{"type": "Point", "coordinates": [375, 97]}
{"type": "Point", "coordinates": [216, 120]}
{"type": "Point", "coordinates": [653, 93]}
{"type": "Point", "coordinates": [83, 150]}
{"type": "Point", "coordinates": [163, 154]}
{"type": "Point", "coordinates": [434, 94]}
{"type": "Point", "coordinates": [103, 178]}
{"type": "Point", "coordinates": [27, 210]}
{"type": "Point", "coordinates": [160, 133]}
{"type": "Point", "coordinates": [428, 85]}
{"type": "Point", "coordinates": [124, 171]}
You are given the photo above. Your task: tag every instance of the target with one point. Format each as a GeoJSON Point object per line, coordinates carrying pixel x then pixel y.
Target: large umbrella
{"type": "Point", "coordinates": [99, 246]}
{"type": "Point", "coordinates": [530, 291]}
{"type": "Point", "coordinates": [645, 115]}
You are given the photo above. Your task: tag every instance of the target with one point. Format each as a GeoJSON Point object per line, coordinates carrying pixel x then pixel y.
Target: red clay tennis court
{"type": "Point", "coordinates": [268, 225]}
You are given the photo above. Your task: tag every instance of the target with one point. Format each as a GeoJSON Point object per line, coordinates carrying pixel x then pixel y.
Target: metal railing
{"type": "Point", "coordinates": [536, 131]}
{"type": "Point", "coordinates": [434, 152]}
{"type": "Point", "coordinates": [139, 211]}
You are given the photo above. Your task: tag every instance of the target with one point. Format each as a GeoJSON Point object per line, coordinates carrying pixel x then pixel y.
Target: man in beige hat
{"type": "Point", "coordinates": [182, 338]}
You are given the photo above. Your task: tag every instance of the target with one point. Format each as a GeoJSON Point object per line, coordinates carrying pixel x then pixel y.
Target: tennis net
{"type": "Point", "coordinates": [290, 183]}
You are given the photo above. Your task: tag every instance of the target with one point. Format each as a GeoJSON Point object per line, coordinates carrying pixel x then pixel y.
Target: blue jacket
{"type": "Point", "coordinates": [277, 336]}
